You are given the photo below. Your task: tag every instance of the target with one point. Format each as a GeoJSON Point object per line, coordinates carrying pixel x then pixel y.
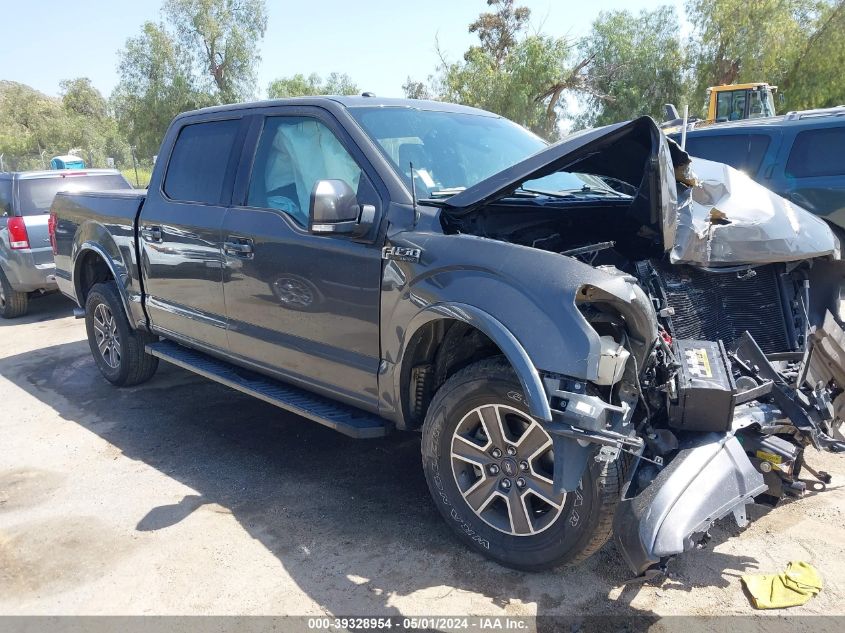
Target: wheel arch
{"type": "Point", "coordinates": [428, 334]}
{"type": "Point", "coordinates": [93, 265]}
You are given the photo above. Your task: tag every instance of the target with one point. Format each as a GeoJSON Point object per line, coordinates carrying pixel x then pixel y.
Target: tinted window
{"type": "Point", "coordinates": [35, 195]}
{"type": "Point", "coordinates": [817, 153]}
{"type": "Point", "coordinates": [198, 164]}
{"type": "Point", "coordinates": [740, 151]}
{"type": "Point", "coordinates": [5, 198]}
{"type": "Point", "coordinates": [293, 154]}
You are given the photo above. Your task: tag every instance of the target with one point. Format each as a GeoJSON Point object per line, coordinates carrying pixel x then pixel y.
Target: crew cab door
{"type": "Point", "coordinates": [301, 306]}
{"type": "Point", "coordinates": [181, 251]}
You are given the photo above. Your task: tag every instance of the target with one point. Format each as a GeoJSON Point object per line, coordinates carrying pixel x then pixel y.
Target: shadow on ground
{"type": "Point", "coordinates": [336, 512]}
{"type": "Point", "coordinates": [43, 308]}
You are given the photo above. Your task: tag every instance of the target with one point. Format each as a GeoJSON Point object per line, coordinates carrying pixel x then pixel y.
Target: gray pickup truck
{"type": "Point", "coordinates": [26, 259]}
{"type": "Point", "coordinates": [592, 339]}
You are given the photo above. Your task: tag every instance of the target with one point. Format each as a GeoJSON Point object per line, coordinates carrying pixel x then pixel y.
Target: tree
{"type": "Point", "coordinates": [637, 64]}
{"type": "Point", "coordinates": [81, 97]}
{"type": "Point", "coordinates": [797, 44]}
{"type": "Point", "coordinates": [415, 89]}
{"type": "Point", "coordinates": [499, 31]}
{"type": "Point", "coordinates": [155, 85]}
{"type": "Point", "coordinates": [203, 53]}
{"type": "Point", "coordinates": [524, 77]}
{"type": "Point", "coordinates": [35, 127]}
{"type": "Point", "coordinates": [301, 86]}
{"type": "Point", "coordinates": [521, 88]}
{"type": "Point", "coordinates": [30, 123]}
{"type": "Point", "coordinates": [815, 78]}
{"type": "Point", "coordinates": [221, 38]}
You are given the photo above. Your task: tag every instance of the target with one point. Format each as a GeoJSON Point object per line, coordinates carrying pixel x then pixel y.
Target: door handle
{"type": "Point", "coordinates": [151, 233]}
{"type": "Point", "coordinates": [238, 247]}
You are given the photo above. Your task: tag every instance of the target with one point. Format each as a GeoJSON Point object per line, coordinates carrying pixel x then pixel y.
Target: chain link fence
{"type": "Point", "coordinates": [137, 170]}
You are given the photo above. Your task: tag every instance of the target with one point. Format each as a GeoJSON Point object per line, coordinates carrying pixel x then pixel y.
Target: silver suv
{"type": "Point", "coordinates": [26, 255]}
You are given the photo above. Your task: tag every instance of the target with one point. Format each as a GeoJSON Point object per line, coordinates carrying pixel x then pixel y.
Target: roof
{"type": "Point", "coordinates": [745, 86]}
{"type": "Point", "coordinates": [799, 118]}
{"type": "Point", "coordinates": [346, 102]}
{"type": "Point", "coordinates": [56, 173]}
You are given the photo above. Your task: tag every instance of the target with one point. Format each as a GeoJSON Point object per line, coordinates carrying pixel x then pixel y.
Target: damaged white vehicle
{"type": "Point", "coordinates": [684, 325]}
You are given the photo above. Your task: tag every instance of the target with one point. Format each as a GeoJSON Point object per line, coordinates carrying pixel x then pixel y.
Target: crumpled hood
{"type": "Point", "coordinates": [729, 219]}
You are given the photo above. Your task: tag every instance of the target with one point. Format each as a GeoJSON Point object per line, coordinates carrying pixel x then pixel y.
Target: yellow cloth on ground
{"type": "Point", "coordinates": [795, 586]}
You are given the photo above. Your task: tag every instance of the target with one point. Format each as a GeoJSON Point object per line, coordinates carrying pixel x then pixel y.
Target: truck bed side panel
{"type": "Point", "coordinates": [103, 224]}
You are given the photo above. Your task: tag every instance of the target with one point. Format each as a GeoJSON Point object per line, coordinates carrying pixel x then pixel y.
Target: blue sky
{"type": "Point", "coordinates": [377, 42]}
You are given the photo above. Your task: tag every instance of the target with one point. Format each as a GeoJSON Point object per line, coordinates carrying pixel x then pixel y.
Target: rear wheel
{"type": "Point", "coordinates": [489, 468]}
{"type": "Point", "coordinates": [118, 350]}
{"type": "Point", "coordinates": [12, 303]}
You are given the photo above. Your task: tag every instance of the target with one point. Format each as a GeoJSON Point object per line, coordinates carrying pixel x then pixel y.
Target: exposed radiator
{"type": "Point", "coordinates": [721, 306]}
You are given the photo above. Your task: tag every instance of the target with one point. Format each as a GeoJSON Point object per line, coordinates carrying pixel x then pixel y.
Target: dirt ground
{"type": "Point", "coordinates": [183, 497]}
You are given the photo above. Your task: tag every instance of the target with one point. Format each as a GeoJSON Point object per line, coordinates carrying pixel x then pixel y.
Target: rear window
{"type": "Point", "coordinates": [198, 164]}
{"type": "Point", "coordinates": [817, 153]}
{"type": "Point", "coordinates": [35, 195]}
{"type": "Point", "coordinates": [741, 151]}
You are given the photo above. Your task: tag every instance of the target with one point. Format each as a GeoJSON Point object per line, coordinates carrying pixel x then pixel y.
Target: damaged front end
{"type": "Point", "coordinates": [725, 360]}
{"type": "Point", "coordinates": [738, 423]}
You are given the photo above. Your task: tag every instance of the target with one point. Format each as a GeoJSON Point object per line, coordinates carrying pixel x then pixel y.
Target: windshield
{"type": "Point", "coordinates": [36, 194]}
{"type": "Point", "coordinates": [452, 151]}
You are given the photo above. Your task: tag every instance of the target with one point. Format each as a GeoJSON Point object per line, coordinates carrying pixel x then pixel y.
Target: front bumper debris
{"type": "Point", "coordinates": [706, 481]}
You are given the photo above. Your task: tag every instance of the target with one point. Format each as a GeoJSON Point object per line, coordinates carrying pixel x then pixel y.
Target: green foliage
{"type": "Point", "coordinates": [144, 174]}
{"type": "Point", "coordinates": [637, 64]}
{"type": "Point", "coordinates": [815, 78]}
{"type": "Point", "coordinates": [520, 76]}
{"type": "Point", "coordinates": [798, 45]}
{"type": "Point", "coordinates": [81, 97]}
{"type": "Point", "coordinates": [416, 89]}
{"type": "Point", "coordinates": [155, 85]}
{"type": "Point", "coordinates": [301, 86]}
{"type": "Point", "coordinates": [35, 127]}
{"type": "Point", "coordinates": [515, 88]}
{"type": "Point", "coordinates": [221, 39]}
{"type": "Point", "coordinates": [499, 31]}
{"type": "Point", "coordinates": [204, 54]}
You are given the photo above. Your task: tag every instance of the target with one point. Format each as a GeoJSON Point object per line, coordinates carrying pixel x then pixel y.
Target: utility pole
{"type": "Point", "coordinates": [135, 165]}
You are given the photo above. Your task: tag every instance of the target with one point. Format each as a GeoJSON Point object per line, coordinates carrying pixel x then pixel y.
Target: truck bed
{"type": "Point", "coordinates": [103, 220]}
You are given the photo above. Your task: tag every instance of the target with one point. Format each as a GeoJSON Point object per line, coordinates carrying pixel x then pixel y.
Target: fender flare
{"type": "Point", "coordinates": [529, 377]}
{"type": "Point", "coordinates": [119, 278]}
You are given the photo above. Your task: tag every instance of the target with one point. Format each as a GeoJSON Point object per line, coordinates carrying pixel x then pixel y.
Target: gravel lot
{"type": "Point", "coordinates": [183, 497]}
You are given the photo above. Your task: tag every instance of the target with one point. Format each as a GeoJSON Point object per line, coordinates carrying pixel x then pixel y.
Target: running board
{"type": "Point", "coordinates": [346, 419]}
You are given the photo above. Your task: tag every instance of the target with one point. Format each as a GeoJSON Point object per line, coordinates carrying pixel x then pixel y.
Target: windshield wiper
{"type": "Point", "coordinates": [531, 193]}
{"type": "Point", "coordinates": [599, 191]}
{"type": "Point", "coordinates": [445, 193]}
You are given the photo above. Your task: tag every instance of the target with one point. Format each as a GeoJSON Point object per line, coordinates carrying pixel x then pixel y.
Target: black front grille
{"type": "Point", "coordinates": [721, 306]}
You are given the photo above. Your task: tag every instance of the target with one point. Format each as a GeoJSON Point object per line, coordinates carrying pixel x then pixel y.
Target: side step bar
{"type": "Point", "coordinates": [346, 419]}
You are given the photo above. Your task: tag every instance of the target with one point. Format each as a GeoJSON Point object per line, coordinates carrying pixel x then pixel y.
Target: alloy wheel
{"type": "Point", "coordinates": [503, 464]}
{"type": "Point", "coordinates": [107, 336]}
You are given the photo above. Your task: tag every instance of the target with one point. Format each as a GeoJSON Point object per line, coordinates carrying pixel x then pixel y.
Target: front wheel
{"type": "Point", "coordinates": [118, 350]}
{"type": "Point", "coordinates": [489, 468]}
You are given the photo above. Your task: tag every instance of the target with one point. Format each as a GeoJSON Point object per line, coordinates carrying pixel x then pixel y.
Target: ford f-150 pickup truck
{"type": "Point", "coordinates": [597, 337]}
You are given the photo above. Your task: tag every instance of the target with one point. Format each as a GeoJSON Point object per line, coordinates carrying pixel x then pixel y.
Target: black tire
{"type": "Point", "coordinates": [13, 304]}
{"type": "Point", "coordinates": [126, 364]}
{"type": "Point", "coordinates": [584, 522]}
